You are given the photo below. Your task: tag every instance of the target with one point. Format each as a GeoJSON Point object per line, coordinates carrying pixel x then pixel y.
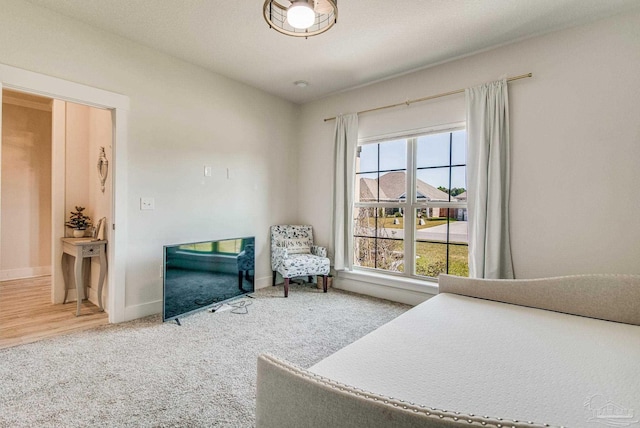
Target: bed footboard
{"type": "Point", "coordinates": [607, 297]}
{"type": "Point", "coordinates": [290, 397]}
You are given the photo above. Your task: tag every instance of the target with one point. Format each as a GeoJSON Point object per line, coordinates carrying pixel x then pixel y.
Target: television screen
{"type": "Point", "coordinates": [199, 275]}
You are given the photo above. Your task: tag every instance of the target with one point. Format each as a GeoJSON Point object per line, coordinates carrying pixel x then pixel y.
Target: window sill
{"type": "Point", "coordinates": [424, 286]}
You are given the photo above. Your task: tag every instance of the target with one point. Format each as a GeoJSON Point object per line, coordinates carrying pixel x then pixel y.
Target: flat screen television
{"type": "Point", "coordinates": [198, 275]}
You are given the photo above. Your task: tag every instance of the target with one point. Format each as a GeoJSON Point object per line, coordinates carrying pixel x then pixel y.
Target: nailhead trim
{"type": "Point", "coordinates": [441, 414]}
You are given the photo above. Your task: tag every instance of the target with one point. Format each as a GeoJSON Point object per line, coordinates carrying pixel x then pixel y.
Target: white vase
{"type": "Point", "coordinates": [78, 233]}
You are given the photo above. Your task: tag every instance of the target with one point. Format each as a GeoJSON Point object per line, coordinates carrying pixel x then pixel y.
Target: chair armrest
{"type": "Point", "coordinates": [317, 250]}
{"type": "Point", "coordinates": [278, 254]}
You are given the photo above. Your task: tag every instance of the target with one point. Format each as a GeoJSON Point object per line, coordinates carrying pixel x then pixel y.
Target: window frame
{"type": "Point", "coordinates": [411, 204]}
{"type": "Point", "coordinates": [215, 247]}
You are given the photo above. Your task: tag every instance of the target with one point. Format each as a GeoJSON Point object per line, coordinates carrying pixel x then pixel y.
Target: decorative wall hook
{"type": "Point", "coordinates": [103, 168]}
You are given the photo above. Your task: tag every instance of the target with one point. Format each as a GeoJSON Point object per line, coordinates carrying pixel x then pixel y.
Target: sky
{"type": "Point", "coordinates": [432, 151]}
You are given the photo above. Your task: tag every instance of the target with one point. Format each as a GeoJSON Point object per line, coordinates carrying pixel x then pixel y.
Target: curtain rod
{"type": "Point", "coordinates": [445, 94]}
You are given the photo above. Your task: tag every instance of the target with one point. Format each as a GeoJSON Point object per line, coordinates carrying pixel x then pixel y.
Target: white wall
{"type": "Point", "coordinates": [26, 192]}
{"type": "Point", "coordinates": [100, 135]}
{"type": "Point", "coordinates": [575, 132]}
{"type": "Point", "coordinates": [182, 117]}
{"type": "Point", "coordinates": [86, 129]}
{"type": "Point", "coordinates": [77, 162]}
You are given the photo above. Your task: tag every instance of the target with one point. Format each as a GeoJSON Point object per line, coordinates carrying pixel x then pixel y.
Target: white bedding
{"type": "Point", "coordinates": [488, 358]}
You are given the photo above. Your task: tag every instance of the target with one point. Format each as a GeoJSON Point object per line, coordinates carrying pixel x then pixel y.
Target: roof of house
{"type": "Point", "coordinates": [393, 188]}
{"type": "Point", "coordinates": [431, 193]}
{"type": "Point", "coordinates": [462, 196]}
{"type": "Point", "coordinates": [369, 190]}
{"type": "Point", "coordinates": [394, 184]}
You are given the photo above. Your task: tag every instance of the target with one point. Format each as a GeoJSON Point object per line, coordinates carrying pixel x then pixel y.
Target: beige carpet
{"type": "Point", "coordinates": [146, 373]}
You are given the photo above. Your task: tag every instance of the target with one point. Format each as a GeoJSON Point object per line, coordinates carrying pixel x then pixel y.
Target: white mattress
{"type": "Point", "coordinates": [500, 360]}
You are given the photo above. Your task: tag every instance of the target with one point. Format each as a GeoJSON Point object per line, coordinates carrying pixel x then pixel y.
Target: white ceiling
{"type": "Point", "coordinates": [373, 39]}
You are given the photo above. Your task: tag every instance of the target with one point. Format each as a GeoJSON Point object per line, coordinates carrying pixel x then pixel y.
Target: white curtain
{"type": "Point", "coordinates": [346, 141]}
{"type": "Point", "coordinates": [488, 181]}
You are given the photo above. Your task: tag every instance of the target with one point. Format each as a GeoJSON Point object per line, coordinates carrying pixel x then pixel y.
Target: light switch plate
{"type": "Point", "coordinates": [147, 204]}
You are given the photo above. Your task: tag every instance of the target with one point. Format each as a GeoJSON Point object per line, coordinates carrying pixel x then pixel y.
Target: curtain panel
{"type": "Point", "coordinates": [346, 141]}
{"type": "Point", "coordinates": [488, 180]}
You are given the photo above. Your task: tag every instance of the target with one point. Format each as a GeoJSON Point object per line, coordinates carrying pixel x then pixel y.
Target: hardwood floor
{"type": "Point", "coordinates": [27, 314]}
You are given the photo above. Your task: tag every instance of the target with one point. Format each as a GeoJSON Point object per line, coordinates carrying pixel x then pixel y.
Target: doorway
{"type": "Point", "coordinates": [48, 152]}
{"type": "Point", "coordinates": [25, 81]}
{"type": "Point", "coordinates": [25, 189]}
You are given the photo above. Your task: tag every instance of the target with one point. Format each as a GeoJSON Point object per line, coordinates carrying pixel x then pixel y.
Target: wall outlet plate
{"type": "Point", "coordinates": [147, 204]}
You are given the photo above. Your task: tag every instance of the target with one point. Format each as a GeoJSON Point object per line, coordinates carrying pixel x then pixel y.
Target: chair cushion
{"type": "Point", "coordinates": [303, 265]}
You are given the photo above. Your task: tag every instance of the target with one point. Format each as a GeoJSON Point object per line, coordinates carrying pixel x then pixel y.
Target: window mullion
{"type": "Point", "coordinates": [410, 209]}
{"type": "Point", "coordinates": [448, 210]}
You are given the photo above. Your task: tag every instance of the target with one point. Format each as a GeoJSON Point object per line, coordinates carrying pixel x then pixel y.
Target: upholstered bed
{"type": "Point", "coordinates": [500, 353]}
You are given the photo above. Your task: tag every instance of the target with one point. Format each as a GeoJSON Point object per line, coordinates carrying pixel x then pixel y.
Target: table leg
{"type": "Point", "coordinates": [79, 282]}
{"type": "Point", "coordinates": [103, 271]}
{"type": "Point", "coordinates": [65, 275]}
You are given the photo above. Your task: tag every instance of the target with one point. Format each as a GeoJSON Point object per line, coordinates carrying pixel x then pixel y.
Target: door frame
{"type": "Point", "coordinates": [53, 87]}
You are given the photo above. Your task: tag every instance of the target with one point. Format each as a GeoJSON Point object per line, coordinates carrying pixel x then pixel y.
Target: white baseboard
{"type": "Point", "coordinates": [263, 282]}
{"type": "Point", "coordinates": [369, 285]}
{"type": "Point", "coordinates": [142, 310]}
{"type": "Point", "coordinates": [152, 308]}
{"type": "Point", "coordinates": [383, 287]}
{"type": "Point", "coordinates": [30, 272]}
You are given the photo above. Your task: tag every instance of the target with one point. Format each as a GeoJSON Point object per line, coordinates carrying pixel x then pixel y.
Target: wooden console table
{"type": "Point", "coordinates": [81, 248]}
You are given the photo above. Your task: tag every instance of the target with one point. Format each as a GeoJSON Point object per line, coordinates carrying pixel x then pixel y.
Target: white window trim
{"type": "Point", "coordinates": [395, 281]}
{"type": "Point", "coordinates": [449, 127]}
{"type": "Point", "coordinates": [403, 280]}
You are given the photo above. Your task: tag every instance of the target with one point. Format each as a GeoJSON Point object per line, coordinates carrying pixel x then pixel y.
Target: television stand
{"type": "Point", "coordinates": [178, 321]}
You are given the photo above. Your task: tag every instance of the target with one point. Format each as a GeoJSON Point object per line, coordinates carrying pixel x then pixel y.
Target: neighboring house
{"type": "Point", "coordinates": [391, 187]}
{"type": "Point", "coordinates": [370, 191]}
{"type": "Point", "coordinates": [427, 192]}
{"type": "Point", "coordinates": [394, 185]}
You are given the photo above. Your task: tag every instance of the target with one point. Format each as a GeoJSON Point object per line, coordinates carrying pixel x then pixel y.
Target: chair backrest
{"type": "Point", "coordinates": [246, 258]}
{"type": "Point", "coordinates": [296, 238]}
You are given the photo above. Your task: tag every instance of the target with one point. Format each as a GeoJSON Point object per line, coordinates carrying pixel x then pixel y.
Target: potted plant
{"type": "Point", "coordinates": [79, 222]}
{"type": "Point", "coordinates": [319, 281]}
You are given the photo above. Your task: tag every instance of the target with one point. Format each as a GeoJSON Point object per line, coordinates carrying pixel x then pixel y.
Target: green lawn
{"type": "Point", "coordinates": [387, 222]}
{"type": "Point", "coordinates": [431, 259]}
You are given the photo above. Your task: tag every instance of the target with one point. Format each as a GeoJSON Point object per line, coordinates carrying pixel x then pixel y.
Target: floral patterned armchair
{"type": "Point", "coordinates": [293, 254]}
{"type": "Point", "coordinates": [245, 264]}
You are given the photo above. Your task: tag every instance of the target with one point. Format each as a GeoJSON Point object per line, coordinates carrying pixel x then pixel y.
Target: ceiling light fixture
{"type": "Point", "coordinates": [301, 18]}
{"type": "Point", "coordinates": [301, 83]}
{"type": "Point", "coordinates": [301, 15]}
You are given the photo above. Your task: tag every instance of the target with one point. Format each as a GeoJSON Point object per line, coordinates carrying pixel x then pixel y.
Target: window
{"type": "Point", "coordinates": [201, 247]}
{"type": "Point", "coordinates": [410, 199]}
{"type": "Point", "coordinates": [229, 246]}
